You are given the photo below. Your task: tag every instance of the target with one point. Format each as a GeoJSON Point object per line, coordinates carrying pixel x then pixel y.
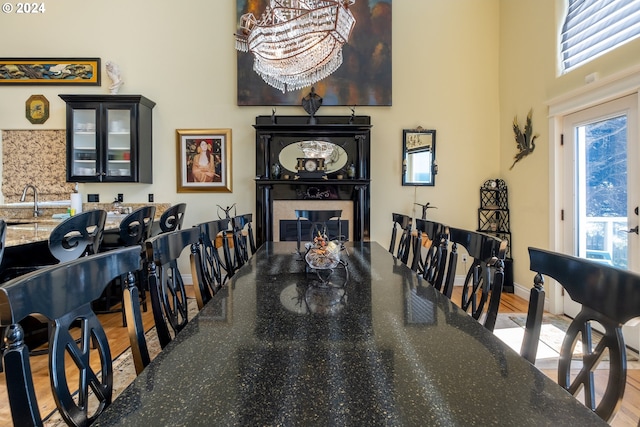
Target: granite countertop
{"type": "Point", "coordinates": [23, 227]}
{"type": "Point", "coordinates": [274, 347]}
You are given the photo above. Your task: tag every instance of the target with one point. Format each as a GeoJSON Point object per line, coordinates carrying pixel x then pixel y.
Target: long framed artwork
{"type": "Point", "coordinates": [50, 71]}
{"type": "Point", "coordinates": [204, 160]}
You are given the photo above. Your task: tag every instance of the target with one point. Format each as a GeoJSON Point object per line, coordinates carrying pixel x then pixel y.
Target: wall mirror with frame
{"type": "Point", "coordinates": [419, 165]}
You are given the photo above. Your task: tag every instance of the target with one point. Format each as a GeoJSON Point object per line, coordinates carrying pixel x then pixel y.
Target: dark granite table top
{"type": "Point", "coordinates": [273, 348]}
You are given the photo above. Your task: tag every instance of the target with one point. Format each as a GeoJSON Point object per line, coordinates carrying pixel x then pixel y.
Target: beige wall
{"type": "Point", "coordinates": [529, 79]}
{"type": "Point", "coordinates": [462, 67]}
{"type": "Point", "coordinates": [182, 56]}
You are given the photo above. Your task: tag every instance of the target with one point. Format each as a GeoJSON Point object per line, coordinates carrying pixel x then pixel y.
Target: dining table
{"type": "Point", "coordinates": [363, 342]}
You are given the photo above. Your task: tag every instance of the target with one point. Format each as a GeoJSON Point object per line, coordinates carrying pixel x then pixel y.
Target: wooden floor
{"type": "Point", "coordinates": [627, 416]}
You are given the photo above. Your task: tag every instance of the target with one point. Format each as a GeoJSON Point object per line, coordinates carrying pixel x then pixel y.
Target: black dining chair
{"type": "Point", "coordinates": [172, 218]}
{"type": "Point", "coordinates": [133, 230]}
{"type": "Point", "coordinates": [76, 236]}
{"type": "Point", "coordinates": [244, 245]}
{"type": "Point", "coordinates": [610, 297]}
{"type": "Point", "coordinates": [401, 223]}
{"type": "Point", "coordinates": [166, 287]}
{"type": "Point", "coordinates": [3, 236]}
{"type": "Point", "coordinates": [318, 223]}
{"type": "Point", "coordinates": [482, 288]}
{"type": "Point", "coordinates": [63, 293]}
{"type": "Point", "coordinates": [430, 249]}
{"type": "Point", "coordinates": [209, 270]}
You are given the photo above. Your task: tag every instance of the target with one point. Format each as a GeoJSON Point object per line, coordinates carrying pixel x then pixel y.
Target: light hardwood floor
{"type": "Point", "coordinates": [628, 414]}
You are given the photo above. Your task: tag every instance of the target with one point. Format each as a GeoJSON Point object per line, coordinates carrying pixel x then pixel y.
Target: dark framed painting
{"type": "Point", "coordinates": [204, 160]}
{"type": "Point", "coordinates": [50, 71]}
{"type": "Point", "coordinates": [364, 78]}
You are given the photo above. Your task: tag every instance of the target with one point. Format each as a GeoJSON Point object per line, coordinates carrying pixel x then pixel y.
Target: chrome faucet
{"type": "Point", "coordinates": [36, 212]}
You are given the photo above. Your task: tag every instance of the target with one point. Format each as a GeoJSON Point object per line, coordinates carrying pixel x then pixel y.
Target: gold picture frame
{"type": "Point", "coordinates": [37, 109]}
{"type": "Point", "coordinates": [50, 71]}
{"type": "Point", "coordinates": [210, 172]}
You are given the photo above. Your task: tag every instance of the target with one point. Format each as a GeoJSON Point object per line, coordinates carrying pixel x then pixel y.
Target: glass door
{"type": "Point", "coordinates": [84, 155]}
{"type": "Point", "coordinates": [602, 172]}
{"type": "Point", "coordinates": [119, 143]}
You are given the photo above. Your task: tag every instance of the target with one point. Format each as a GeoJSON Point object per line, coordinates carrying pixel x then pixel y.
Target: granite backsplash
{"type": "Point", "coordinates": [34, 157]}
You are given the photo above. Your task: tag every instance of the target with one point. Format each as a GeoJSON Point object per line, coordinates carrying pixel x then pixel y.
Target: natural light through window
{"type": "Point", "coordinates": [594, 27]}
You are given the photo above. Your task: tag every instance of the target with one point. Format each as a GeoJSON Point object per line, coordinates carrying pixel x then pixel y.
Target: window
{"type": "Point", "coordinates": [594, 27]}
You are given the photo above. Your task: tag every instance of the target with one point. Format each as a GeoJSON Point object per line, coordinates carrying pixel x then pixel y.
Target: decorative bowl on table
{"type": "Point", "coordinates": [323, 258]}
{"type": "Point", "coordinates": [322, 255]}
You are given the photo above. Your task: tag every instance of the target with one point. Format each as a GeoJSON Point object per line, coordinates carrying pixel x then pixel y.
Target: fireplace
{"type": "Point", "coordinates": [283, 189]}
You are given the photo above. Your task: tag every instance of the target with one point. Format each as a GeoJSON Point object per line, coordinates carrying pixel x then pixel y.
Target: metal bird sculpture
{"type": "Point", "coordinates": [526, 143]}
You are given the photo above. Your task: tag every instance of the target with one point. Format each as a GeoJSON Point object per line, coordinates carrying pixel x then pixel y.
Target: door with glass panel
{"type": "Point", "coordinates": [601, 194]}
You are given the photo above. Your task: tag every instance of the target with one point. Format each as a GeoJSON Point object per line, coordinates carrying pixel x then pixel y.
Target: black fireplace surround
{"type": "Point", "coordinates": [274, 133]}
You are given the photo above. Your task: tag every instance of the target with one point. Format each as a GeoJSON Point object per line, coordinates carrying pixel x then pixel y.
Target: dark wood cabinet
{"type": "Point", "coordinates": [282, 140]}
{"type": "Point", "coordinates": [109, 138]}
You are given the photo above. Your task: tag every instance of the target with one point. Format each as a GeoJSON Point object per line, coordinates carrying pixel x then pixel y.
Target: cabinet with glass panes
{"type": "Point", "coordinates": [109, 138]}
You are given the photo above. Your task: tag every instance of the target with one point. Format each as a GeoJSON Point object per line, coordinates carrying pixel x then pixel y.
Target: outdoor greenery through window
{"type": "Point", "coordinates": [604, 147]}
{"type": "Point", "coordinates": [594, 27]}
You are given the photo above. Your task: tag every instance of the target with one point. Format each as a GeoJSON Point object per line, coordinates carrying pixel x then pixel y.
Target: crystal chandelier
{"type": "Point", "coordinates": [296, 42]}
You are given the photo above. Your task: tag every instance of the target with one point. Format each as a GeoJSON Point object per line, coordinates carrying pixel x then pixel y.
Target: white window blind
{"type": "Point", "coordinates": [593, 27]}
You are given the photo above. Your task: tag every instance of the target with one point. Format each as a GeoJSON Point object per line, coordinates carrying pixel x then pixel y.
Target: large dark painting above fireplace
{"type": "Point", "coordinates": [364, 78]}
{"type": "Point", "coordinates": [352, 134]}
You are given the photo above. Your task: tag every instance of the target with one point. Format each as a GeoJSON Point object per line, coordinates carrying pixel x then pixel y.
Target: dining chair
{"type": "Point", "coordinates": [209, 271]}
{"type": "Point", "coordinates": [482, 288]}
{"type": "Point", "coordinates": [403, 224]}
{"type": "Point", "coordinates": [172, 218]}
{"type": "Point", "coordinates": [76, 236]}
{"type": "Point", "coordinates": [3, 236]}
{"type": "Point", "coordinates": [63, 293]}
{"type": "Point", "coordinates": [133, 230]}
{"type": "Point", "coordinates": [610, 297]}
{"type": "Point", "coordinates": [318, 224]}
{"type": "Point", "coordinates": [430, 249]}
{"type": "Point", "coordinates": [244, 244]}
{"type": "Point", "coordinates": [166, 286]}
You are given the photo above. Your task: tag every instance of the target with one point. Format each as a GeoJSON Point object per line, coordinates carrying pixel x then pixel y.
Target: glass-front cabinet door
{"type": "Point", "coordinates": [118, 142]}
{"type": "Point", "coordinates": [84, 148]}
{"type": "Point", "coordinates": [108, 138]}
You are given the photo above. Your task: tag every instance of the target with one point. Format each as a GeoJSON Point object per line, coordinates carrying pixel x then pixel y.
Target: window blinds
{"type": "Point", "coordinates": [593, 27]}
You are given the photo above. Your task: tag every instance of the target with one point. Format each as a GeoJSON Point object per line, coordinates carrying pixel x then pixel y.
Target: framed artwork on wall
{"type": "Point", "coordinates": [363, 78]}
{"type": "Point", "coordinates": [37, 109]}
{"type": "Point", "coordinates": [204, 160]}
{"type": "Point", "coordinates": [50, 71]}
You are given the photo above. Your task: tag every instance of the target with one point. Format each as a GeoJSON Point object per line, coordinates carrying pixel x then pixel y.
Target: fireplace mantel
{"type": "Point", "coordinates": [274, 133]}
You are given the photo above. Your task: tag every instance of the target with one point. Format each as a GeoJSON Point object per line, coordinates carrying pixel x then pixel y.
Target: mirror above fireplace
{"type": "Point", "coordinates": [335, 157]}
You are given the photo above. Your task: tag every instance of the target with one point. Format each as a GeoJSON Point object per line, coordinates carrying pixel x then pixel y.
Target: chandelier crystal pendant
{"type": "Point", "coordinates": [296, 43]}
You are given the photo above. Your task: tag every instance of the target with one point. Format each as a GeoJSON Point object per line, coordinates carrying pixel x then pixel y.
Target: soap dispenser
{"type": "Point", "coordinates": [76, 200]}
